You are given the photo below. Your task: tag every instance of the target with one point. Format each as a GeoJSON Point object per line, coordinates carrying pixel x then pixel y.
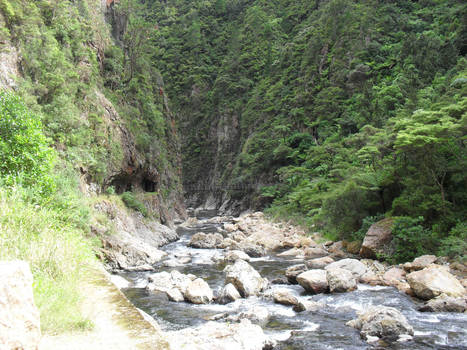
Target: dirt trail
{"type": "Point", "coordinates": [117, 323]}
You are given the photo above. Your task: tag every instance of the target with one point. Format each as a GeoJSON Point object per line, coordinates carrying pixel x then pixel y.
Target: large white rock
{"type": "Point", "coordinates": [199, 292]}
{"type": "Point", "coordinates": [382, 322]}
{"type": "Point", "coordinates": [341, 280]}
{"type": "Point", "coordinates": [245, 278]}
{"type": "Point", "coordinates": [434, 281]}
{"type": "Point", "coordinates": [353, 265]}
{"type": "Point", "coordinates": [19, 316]}
{"type": "Point", "coordinates": [220, 335]}
{"type": "Point", "coordinates": [314, 281]}
{"type": "Point", "coordinates": [228, 294]}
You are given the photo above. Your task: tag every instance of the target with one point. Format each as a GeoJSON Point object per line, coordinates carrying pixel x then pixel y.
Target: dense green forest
{"type": "Point", "coordinates": [349, 110]}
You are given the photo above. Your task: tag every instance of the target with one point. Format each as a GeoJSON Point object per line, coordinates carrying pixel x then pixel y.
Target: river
{"type": "Point", "coordinates": [322, 329]}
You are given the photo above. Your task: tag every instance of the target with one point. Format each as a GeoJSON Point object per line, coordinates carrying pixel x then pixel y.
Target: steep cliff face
{"type": "Point", "coordinates": [114, 128]}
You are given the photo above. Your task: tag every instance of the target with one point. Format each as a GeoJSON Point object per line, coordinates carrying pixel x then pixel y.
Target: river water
{"type": "Point", "coordinates": [320, 330]}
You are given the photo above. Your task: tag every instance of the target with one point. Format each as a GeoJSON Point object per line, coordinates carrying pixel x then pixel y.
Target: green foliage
{"type": "Point", "coordinates": [410, 239]}
{"type": "Point", "coordinates": [366, 223]}
{"type": "Point", "coordinates": [455, 244]}
{"type": "Point", "coordinates": [133, 203]}
{"type": "Point", "coordinates": [25, 155]}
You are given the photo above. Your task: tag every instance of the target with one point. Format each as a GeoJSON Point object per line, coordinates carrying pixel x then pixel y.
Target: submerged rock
{"type": "Point", "coordinates": [382, 322]}
{"type": "Point", "coordinates": [245, 278]}
{"type": "Point", "coordinates": [434, 281]}
{"type": "Point", "coordinates": [216, 335]}
{"type": "Point", "coordinates": [314, 281]}
{"type": "Point", "coordinates": [307, 305]}
{"type": "Point", "coordinates": [340, 280]}
{"type": "Point", "coordinates": [258, 315]}
{"type": "Point", "coordinates": [19, 316]}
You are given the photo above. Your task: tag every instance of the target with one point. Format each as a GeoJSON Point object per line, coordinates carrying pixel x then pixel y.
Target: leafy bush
{"type": "Point", "coordinates": [133, 203]}
{"type": "Point", "coordinates": [455, 245]}
{"type": "Point", "coordinates": [25, 155]}
{"type": "Point", "coordinates": [410, 239]}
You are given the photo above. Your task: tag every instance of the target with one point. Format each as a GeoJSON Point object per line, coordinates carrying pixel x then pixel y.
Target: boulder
{"type": "Point", "coordinates": [237, 236]}
{"type": "Point", "coordinates": [434, 281]}
{"type": "Point", "coordinates": [376, 238]}
{"type": "Point", "coordinates": [445, 303]}
{"type": "Point", "coordinates": [19, 316]}
{"type": "Point", "coordinates": [230, 227]}
{"type": "Point", "coordinates": [293, 271]}
{"type": "Point", "coordinates": [284, 297]}
{"type": "Point", "coordinates": [340, 280]}
{"type": "Point", "coordinates": [220, 335]}
{"type": "Point", "coordinates": [280, 280]}
{"type": "Point", "coordinates": [199, 292]}
{"type": "Point", "coordinates": [420, 263]}
{"type": "Point", "coordinates": [245, 278]}
{"type": "Point", "coordinates": [234, 255]}
{"type": "Point", "coordinates": [319, 263]}
{"type": "Point", "coordinates": [257, 315]}
{"type": "Point", "coordinates": [353, 265]}
{"type": "Point", "coordinates": [228, 294]}
{"type": "Point", "coordinates": [353, 247]}
{"type": "Point", "coordinates": [252, 249]}
{"type": "Point", "coordinates": [393, 276]}
{"type": "Point", "coordinates": [206, 240]}
{"type": "Point", "coordinates": [382, 322]}
{"type": "Point", "coordinates": [314, 281]}
{"type": "Point", "coordinates": [293, 252]}
{"type": "Point", "coordinates": [312, 253]}
{"type": "Point", "coordinates": [307, 305]}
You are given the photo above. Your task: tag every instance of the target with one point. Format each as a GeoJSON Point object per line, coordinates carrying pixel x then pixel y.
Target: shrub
{"type": "Point", "coordinates": [25, 155]}
{"type": "Point", "coordinates": [410, 239]}
{"type": "Point", "coordinates": [455, 244]}
{"type": "Point", "coordinates": [133, 203]}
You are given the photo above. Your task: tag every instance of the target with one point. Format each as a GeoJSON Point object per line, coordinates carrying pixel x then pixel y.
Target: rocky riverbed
{"type": "Point", "coordinates": [247, 283]}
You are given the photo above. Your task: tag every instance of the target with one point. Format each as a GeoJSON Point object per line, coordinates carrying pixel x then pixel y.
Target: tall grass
{"type": "Point", "coordinates": [53, 243]}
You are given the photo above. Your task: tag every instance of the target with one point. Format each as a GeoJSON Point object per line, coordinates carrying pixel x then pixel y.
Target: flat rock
{"type": "Point", "coordinates": [312, 253]}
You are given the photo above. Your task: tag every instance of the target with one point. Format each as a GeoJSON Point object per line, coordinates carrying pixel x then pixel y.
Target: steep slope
{"type": "Point", "coordinates": [321, 101]}
{"type": "Point", "coordinates": [100, 102]}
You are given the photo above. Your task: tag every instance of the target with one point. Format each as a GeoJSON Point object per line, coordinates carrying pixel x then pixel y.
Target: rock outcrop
{"type": "Point", "coordinates": [340, 280]}
{"type": "Point", "coordinates": [19, 316]}
{"type": "Point", "coordinates": [378, 235]}
{"type": "Point", "coordinates": [434, 281]}
{"type": "Point", "coordinates": [382, 322]}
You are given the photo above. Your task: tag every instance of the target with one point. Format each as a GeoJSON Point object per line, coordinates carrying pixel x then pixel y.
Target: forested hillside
{"type": "Point", "coordinates": [346, 110]}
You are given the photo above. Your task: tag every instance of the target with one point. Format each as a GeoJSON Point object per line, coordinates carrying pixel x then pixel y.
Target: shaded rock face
{"type": "Point", "coordinates": [216, 335]}
{"type": "Point", "coordinates": [19, 316]}
{"type": "Point", "coordinates": [382, 322]}
{"type": "Point", "coordinates": [378, 235]}
{"type": "Point", "coordinates": [245, 278]}
{"type": "Point", "coordinates": [314, 281]}
{"type": "Point", "coordinates": [434, 281]}
{"type": "Point", "coordinates": [340, 280]}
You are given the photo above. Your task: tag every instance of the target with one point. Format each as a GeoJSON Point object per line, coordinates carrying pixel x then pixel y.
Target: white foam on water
{"type": "Point", "coordinates": [363, 287]}
{"type": "Point", "coordinates": [428, 318]}
{"type": "Point", "coordinates": [280, 336]}
{"type": "Point", "coordinates": [421, 333]}
{"type": "Point", "coordinates": [262, 258]}
{"type": "Point", "coordinates": [310, 326]}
